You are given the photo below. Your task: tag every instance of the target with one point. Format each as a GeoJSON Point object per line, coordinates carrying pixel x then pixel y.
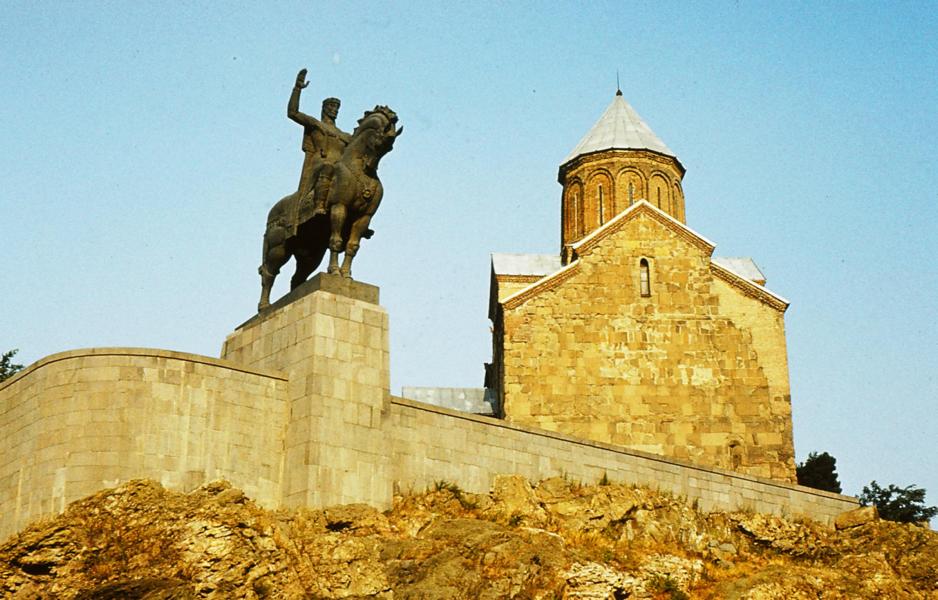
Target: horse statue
{"type": "Point", "coordinates": [351, 202]}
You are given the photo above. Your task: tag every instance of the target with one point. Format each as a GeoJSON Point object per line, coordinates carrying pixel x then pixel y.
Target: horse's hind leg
{"type": "Point", "coordinates": [275, 255]}
{"type": "Point", "coordinates": [304, 266]}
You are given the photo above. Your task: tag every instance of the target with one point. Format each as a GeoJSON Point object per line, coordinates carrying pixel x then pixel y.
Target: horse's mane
{"type": "Point", "coordinates": [384, 111]}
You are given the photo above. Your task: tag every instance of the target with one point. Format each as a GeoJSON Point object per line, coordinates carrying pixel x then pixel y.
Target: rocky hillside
{"type": "Point", "coordinates": [557, 539]}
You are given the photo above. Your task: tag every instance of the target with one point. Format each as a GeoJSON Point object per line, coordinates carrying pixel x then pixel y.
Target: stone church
{"type": "Point", "coordinates": [634, 334]}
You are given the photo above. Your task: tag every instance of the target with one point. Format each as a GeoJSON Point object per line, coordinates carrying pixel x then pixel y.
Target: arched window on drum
{"type": "Point", "coordinates": [630, 188]}
{"type": "Point", "coordinates": [677, 203]}
{"type": "Point", "coordinates": [597, 200]}
{"type": "Point", "coordinates": [601, 199]}
{"type": "Point", "coordinates": [660, 193]}
{"type": "Point", "coordinates": [572, 213]}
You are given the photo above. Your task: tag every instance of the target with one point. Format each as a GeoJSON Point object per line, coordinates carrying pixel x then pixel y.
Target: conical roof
{"type": "Point", "coordinates": [619, 128]}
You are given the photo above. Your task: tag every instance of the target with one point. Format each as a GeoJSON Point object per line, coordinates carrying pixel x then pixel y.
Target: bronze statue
{"type": "Point", "coordinates": [339, 192]}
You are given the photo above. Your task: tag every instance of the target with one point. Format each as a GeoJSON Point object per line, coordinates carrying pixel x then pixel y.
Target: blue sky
{"type": "Point", "coordinates": [143, 144]}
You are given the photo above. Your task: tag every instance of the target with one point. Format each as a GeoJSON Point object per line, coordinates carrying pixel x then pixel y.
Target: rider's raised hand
{"type": "Point", "coordinates": [301, 79]}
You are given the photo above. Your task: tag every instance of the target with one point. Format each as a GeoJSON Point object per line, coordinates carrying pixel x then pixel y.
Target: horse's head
{"type": "Point", "coordinates": [378, 127]}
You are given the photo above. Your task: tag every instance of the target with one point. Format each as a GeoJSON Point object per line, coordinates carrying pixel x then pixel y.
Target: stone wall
{"type": "Point", "coordinates": [76, 422]}
{"type": "Point", "coordinates": [765, 326]}
{"type": "Point", "coordinates": [695, 370]}
{"type": "Point", "coordinates": [432, 444]}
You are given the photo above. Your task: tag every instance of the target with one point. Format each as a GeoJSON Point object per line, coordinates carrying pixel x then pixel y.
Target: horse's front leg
{"type": "Point", "coordinates": [358, 229]}
{"type": "Point", "coordinates": [337, 214]}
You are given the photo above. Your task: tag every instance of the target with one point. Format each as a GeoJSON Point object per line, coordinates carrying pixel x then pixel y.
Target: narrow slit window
{"type": "Point", "coordinates": [602, 217]}
{"type": "Point", "coordinates": [576, 214]}
{"type": "Point", "coordinates": [659, 197]}
{"type": "Point", "coordinates": [631, 193]}
{"type": "Point", "coordinates": [644, 278]}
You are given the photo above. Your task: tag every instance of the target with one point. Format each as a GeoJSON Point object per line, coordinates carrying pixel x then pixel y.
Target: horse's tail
{"type": "Point", "coordinates": [265, 248]}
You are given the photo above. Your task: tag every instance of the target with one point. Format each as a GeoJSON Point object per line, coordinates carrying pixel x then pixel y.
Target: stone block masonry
{"type": "Point", "coordinates": [332, 340]}
{"type": "Point", "coordinates": [298, 413]}
{"type": "Point", "coordinates": [79, 421]}
{"type": "Point", "coordinates": [431, 443]}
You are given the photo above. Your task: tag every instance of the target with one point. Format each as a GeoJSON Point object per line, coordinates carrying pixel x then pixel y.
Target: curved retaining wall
{"type": "Point", "coordinates": [79, 421]}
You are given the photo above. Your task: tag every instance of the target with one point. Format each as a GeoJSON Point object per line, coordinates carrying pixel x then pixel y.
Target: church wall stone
{"type": "Point", "coordinates": [508, 285]}
{"type": "Point", "coordinates": [676, 373]}
{"type": "Point", "coordinates": [766, 326]}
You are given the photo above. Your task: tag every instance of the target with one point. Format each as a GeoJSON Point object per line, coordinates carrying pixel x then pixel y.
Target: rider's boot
{"type": "Point", "coordinates": [321, 195]}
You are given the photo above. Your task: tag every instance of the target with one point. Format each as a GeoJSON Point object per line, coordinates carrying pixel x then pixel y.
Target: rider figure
{"type": "Point", "coordinates": [323, 144]}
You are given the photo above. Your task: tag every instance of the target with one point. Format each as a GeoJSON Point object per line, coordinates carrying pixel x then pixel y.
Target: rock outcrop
{"type": "Point", "coordinates": [555, 539]}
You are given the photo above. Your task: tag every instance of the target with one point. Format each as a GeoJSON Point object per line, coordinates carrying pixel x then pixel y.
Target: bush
{"type": "Point", "coordinates": [819, 472]}
{"type": "Point", "coordinates": [905, 505]}
{"type": "Point", "coordinates": [7, 368]}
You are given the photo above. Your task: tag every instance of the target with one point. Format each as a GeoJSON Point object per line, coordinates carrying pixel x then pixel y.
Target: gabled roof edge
{"type": "Point", "coordinates": [543, 284]}
{"type": "Point", "coordinates": [749, 287]}
{"type": "Point", "coordinates": [616, 223]}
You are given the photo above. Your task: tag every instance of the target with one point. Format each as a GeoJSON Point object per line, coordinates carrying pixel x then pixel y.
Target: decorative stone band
{"type": "Point", "coordinates": [617, 153]}
{"type": "Point", "coordinates": [749, 288]}
{"type": "Point", "coordinates": [518, 278]}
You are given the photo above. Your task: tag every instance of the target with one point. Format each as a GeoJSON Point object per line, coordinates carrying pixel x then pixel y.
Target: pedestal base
{"type": "Point", "coordinates": [331, 338]}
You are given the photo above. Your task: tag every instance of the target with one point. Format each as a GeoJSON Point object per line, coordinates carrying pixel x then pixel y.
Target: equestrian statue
{"type": "Point", "coordinates": [338, 193]}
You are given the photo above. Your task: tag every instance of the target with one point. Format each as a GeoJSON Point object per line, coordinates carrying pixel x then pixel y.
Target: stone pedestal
{"type": "Point", "coordinates": [330, 337]}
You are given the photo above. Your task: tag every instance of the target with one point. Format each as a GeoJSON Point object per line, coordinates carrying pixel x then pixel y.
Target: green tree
{"type": "Point", "coordinates": [7, 368]}
{"type": "Point", "coordinates": [820, 472]}
{"type": "Point", "coordinates": [906, 505]}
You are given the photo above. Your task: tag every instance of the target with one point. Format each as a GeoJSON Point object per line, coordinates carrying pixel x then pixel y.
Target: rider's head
{"type": "Point", "coordinates": [330, 108]}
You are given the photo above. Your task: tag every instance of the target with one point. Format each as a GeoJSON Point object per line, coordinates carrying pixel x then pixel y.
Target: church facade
{"type": "Point", "coordinates": [634, 334]}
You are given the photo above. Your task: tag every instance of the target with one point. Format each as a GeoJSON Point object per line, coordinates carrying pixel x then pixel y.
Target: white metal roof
{"type": "Point", "coordinates": [741, 265]}
{"type": "Point", "coordinates": [621, 128]}
{"type": "Point", "coordinates": [479, 401]}
{"type": "Point", "coordinates": [525, 264]}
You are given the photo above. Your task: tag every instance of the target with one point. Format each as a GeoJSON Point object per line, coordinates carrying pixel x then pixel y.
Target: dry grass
{"type": "Point", "coordinates": [114, 546]}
